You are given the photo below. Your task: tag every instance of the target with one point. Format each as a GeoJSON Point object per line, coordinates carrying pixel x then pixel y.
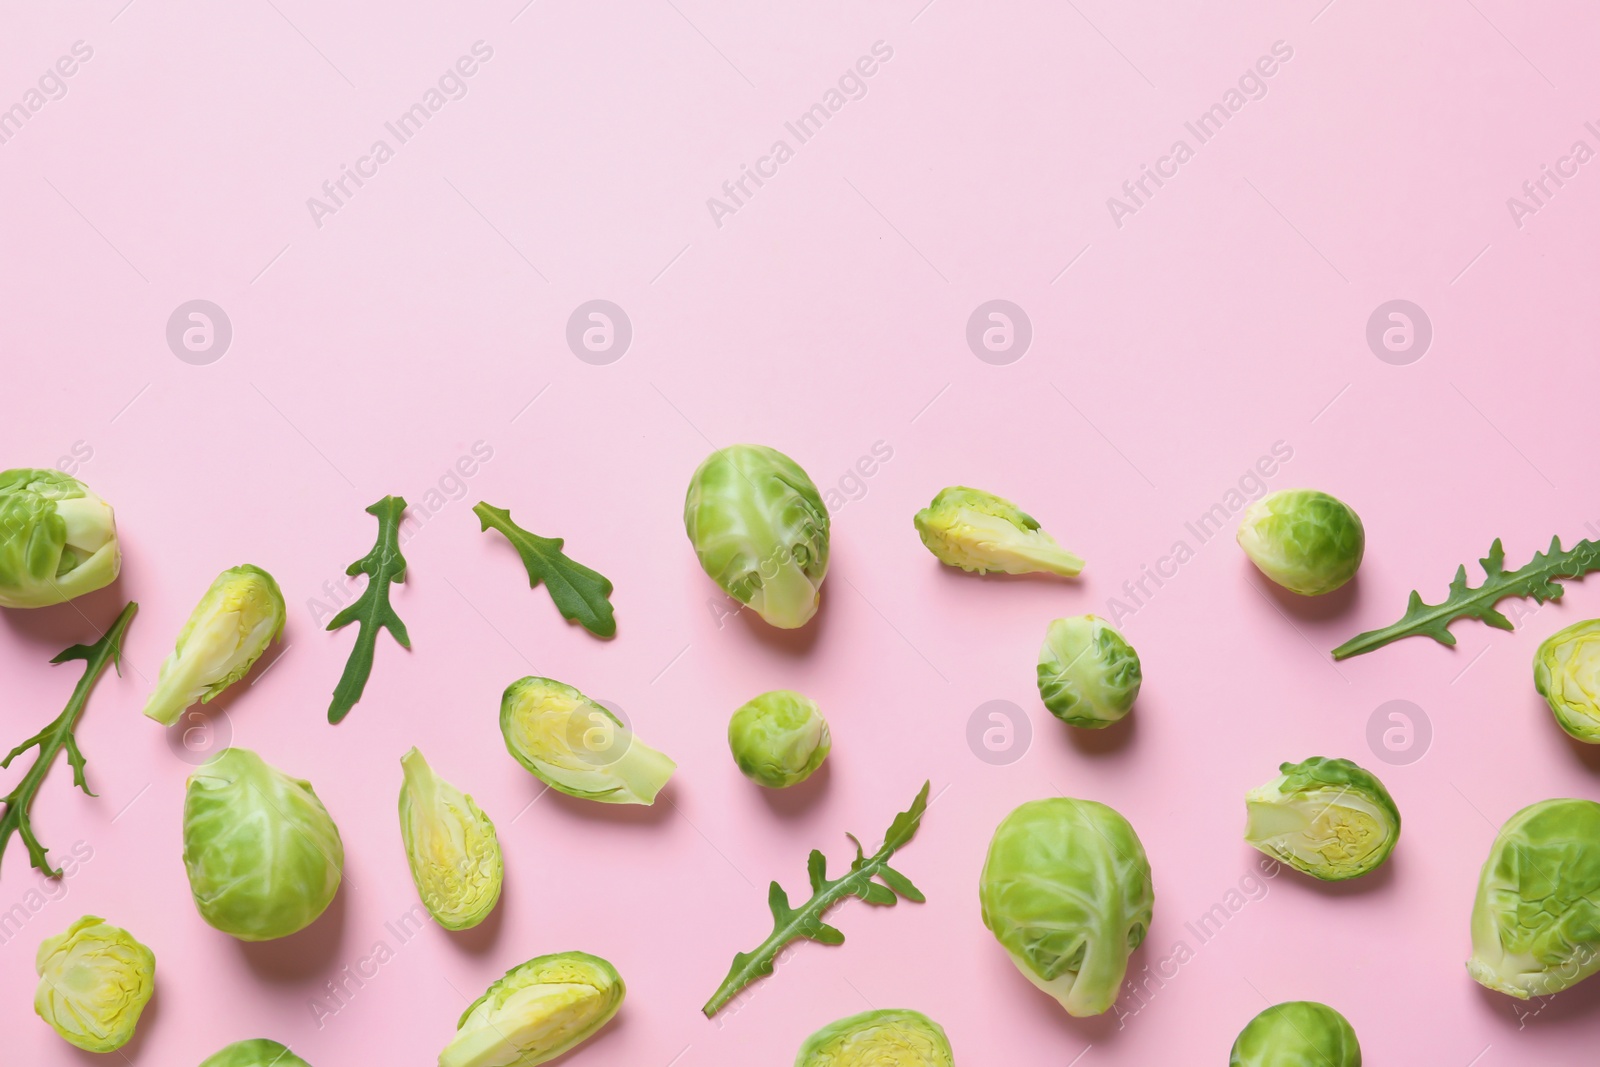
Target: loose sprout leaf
{"type": "Point", "coordinates": [57, 736]}
{"type": "Point", "coordinates": [382, 566]}
{"type": "Point", "coordinates": [579, 593]}
{"type": "Point", "coordinates": [1539, 579]}
{"type": "Point", "coordinates": [791, 923]}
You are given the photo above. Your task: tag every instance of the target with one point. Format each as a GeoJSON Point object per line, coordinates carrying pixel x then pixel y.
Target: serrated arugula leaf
{"type": "Point", "coordinates": [790, 923]}
{"type": "Point", "coordinates": [579, 593]}
{"type": "Point", "coordinates": [1539, 579]}
{"type": "Point", "coordinates": [382, 566]}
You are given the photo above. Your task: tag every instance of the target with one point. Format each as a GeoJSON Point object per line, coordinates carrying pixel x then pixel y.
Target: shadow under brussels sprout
{"type": "Point", "coordinates": [1114, 738]}
{"type": "Point", "coordinates": [793, 801]}
{"type": "Point", "coordinates": [305, 953]}
{"type": "Point", "coordinates": [59, 625]}
{"type": "Point", "coordinates": [1337, 604]}
{"type": "Point", "coordinates": [616, 814]}
{"type": "Point", "coordinates": [799, 641]}
{"type": "Point", "coordinates": [1572, 1007]}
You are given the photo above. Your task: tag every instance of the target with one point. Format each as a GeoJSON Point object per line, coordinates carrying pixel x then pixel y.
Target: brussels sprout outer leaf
{"type": "Point", "coordinates": [579, 593]}
{"type": "Point", "coordinates": [372, 610]}
{"type": "Point", "coordinates": [1300, 1033]}
{"type": "Point", "coordinates": [257, 1052]}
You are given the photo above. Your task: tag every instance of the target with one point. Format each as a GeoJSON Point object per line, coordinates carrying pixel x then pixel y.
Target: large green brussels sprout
{"type": "Point", "coordinates": [257, 1052]}
{"type": "Point", "coordinates": [58, 540]}
{"type": "Point", "coordinates": [760, 529]}
{"type": "Point", "coordinates": [1300, 1033]}
{"type": "Point", "coordinates": [1325, 817]}
{"type": "Point", "coordinates": [1088, 673]}
{"type": "Point", "coordinates": [887, 1037]}
{"type": "Point", "coordinates": [981, 532]}
{"type": "Point", "coordinates": [1066, 890]}
{"type": "Point", "coordinates": [1306, 541]}
{"type": "Point", "coordinates": [451, 846]}
{"type": "Point", "coordinates": [779, 738]}
{"type": "Point", "coordinates": [577, 746]}
{"type": "Point", "coordinates": [228, 630]}
{"type": "Point", "coordinates": [94, 980]}
{"type": "Point", "coordinates": [264, 857]}
{"type": "Point", "coordinates": [1566, 672]}
{"type": "Point", "coordinates": [1536, 919]}
{"type": "Point", "coordinates": [539, 1010]}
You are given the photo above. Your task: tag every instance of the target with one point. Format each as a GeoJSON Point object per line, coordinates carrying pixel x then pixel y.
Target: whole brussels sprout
{"type": "Point", "coordinates": [1536, 919]}
{"type": "Point", "coordinates": [1307, 541]}
{"type": "Point", "coordinates": [577, 746]}
{"type": "Point", "coordinates": [779, 738]}
{"type": "Point", "coordinates": [760, 530]}
{"type": "Point", "coordinates": [887, 1037]}
{"type": "Point", "coordinates": [451, 846]}
{"type": "Point", "coordinates": [1300, 1033]}
{"type": "Point", "coordinates": [1324, 817]}
{"type": "Point", "coordinates": [263, 856]}
{"type": "Point", "coordinates": [539, 1010]}
{"type": "Point", "coordinates": [257, 1052]}
{"type": "Point", "coordinates": [1066, 890]}
{"type": "Point", "coordinates": [1089, 675]}
{"type": "Point", "coordinates": [1566, 672]}
{"type": "Point", "coordinates": [58, 540]}
{"type": "Point", "coordinates": [981, 532]}
{"type": "Point", "coordinates": [94, 980]}
{"type": "Point", "coordinates": [239, 616]}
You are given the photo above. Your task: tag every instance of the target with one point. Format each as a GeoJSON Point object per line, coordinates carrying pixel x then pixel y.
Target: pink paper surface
{"type": "Point", "coordinates": [1175, 341]}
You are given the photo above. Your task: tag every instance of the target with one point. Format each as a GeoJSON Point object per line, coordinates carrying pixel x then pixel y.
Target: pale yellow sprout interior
{"type": "Point", "coordinates": [451, 846]}
{"type": "Point", "coordinates": [94, 980]}
{"type": "Point", "coordinates": [578, 746]}
{"type": "Point", "coordinates": [1330, 828]}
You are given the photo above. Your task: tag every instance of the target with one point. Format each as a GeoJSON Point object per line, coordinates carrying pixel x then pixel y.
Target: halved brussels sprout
{"type": "Point", "coordinates": [1066, 890]}
{"type": "Point", "coordinates": [58, 540]}
{"type": "Point", "coordinates": [887, 1037]}
{"type": "Point", "coordinates": [240, 615]}
{"type": "Point", "coordinates": [981, 532]}
{"type": "Point", "coordinates": [451, 846]}
{"type": "Point", "coordinates": [257, 1052]}
{"type": "Point", "coordinates": [1089, 675]}
{"type": "Point", "coordinates": [779, 738]}
{"type": "Point", "coordinates": [1566, 672]}
{"type": "Point", "coordinates": [263, 856]}
{"type": "Point", "coordinates": [1307, 541]}
{"type": "Point", "coordinates": [94, 980]}
{"type": "Point", "coordinates": [760, 530]}
{"type": "Point", "coordinates": [539, 1010]}
{"type": "Point", "coordinates": [1325, 817]}
{"type": "Point", "coordinates": [1536, 919]}
{"type": "Point", "coordinates": [577, 746]}
{"type": "Point", "coordinates": [1300, 1033]}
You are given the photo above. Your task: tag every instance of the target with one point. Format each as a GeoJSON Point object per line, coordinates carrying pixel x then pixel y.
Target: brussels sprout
{"type": "Point", "coordinates": [58, 540]}
{"type": "Point", "coordinates": [888, 1037]}
{"type": "Point", "coordinates": [760, 530]}
{"type": "Point", "coordinates": [264, 857]}
{"type": "Point", "coordinates": [451, 846]}
{"type": "Point", "coordinates": [240, 615]}
{"type": "Point", "coordinates": [257, 1052]}
{"type": "Point", "coordinates": [94, 980]}
{"type": "Point", "coordinates": [1066, 890]}
{"type": "Point", "coordinates": [1325, 817]}
{"type": "Point", "coordinates": [539, 1010]}
{"type": "Point", "coordinates": [1536, 919]}
{"type": "Point", "coordinates": [779, 738]}
{"type": "Point", "coordinates": [577, 746]}
{"type": "Point", "coordinates": [1088, 673]}
{"type": "Point", "coordinates": [1308, 542]}
{"type": "Point", "coordinates": [981, 532]}
{"type": "Point", "coordinates": [1301, 1033]}
{"type": "Point", "coordinates": [1566, 672]}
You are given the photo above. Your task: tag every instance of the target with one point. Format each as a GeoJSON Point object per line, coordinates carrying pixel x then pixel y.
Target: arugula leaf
{"type": "Point", "coordinates": [57, 736]}
{"type": "Point", "coordinates": [579, 593]}
{"type": "Point", "coordinates": [1537, 579]}
{"type": "Point", "coordinates": [372, 610]}
{"type": "Point", "coordinates": [791, 923]}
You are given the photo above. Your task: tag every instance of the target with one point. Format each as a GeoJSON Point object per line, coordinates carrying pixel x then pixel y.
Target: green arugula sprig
{"type": "Point", "coordinates": [579, 593]}
{"type": "Point", "coordinates": [57, 736]}
{"type": "Point", "coordinates": [790, 923]}
{"type": "Point", "coordinates": [383, 565]}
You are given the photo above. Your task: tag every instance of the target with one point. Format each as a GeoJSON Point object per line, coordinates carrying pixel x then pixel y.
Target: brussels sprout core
{"type": "Point", "coordinates": [536, 1012]}
{"type": "Point", "coordinates": [981, 532]}
{"type": "Point", "coordinates": [257, 1052]}
{"type": "Point", "coordinates": [888, 1037]}
{"type": "Point", "coordinates": [1301, 1033]}
{"type": "Point", "coordinates": [1325, 817]}
{"type": "Point", "coordinates": [58, 540]}
{"type": "Point", "coordinates": [1566, 672]}
{"type": "Point", "coordinates": [451, 847]}
{"type": "Point", "coordinates": [779, 738]}
{"type": "Point", "coordinates": [1308, 542]}
{"type": "Point", "coordinates": [1088, 673]}
{"type": "Point", "coordinates": [94, 980]}
{"type": "Point", "coordinates": [577, 746]}
{"type": "Point", "coordinates": [240, 615]}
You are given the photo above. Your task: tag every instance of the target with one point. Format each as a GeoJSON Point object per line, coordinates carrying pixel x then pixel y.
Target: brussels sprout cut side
{"type": "Point", "coordinates": [1324, 817]}
{"type": "Point", "coordinates": [1307, 541]}
{"type": "Point", "coordinates": [58, 540]}
{"type": "Point", "coordinates": [981, 532]}
{"type": "Point", "coordinates": [1089, 675]}
{"type": "Point", "coordinates": [888, 1037]}
{"type": "Point", "coordinates": [257, 1052]}
{"type": "Point", "coordinates": [1300, 1033]}
{"type": "Point", "coordinates": [94, 980]}
{"type": "Point", "coordinates": [577, 746]}
{"type": "Point", "coordinates": [451, 847]}
{"type": "Point", "coordinates": [779, 738]}
{"type": "Point", "coordinates": [239, 616]}
{"type": "Point", "coordinates": [1566, 672]}
{"type": "Point", "coordinates": [539, 1010]}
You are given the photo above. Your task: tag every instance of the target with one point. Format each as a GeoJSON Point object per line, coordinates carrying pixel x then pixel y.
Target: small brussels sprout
{"type": "Point", "coordinates": [760, 530]}
{"type": "Point", "coordinates": [451, 846]}
{"type": "Point", "coordinates": [981, 532]}
{"type": "Point", "coordinates": [257, 1052]}
{"type": "Point", "coordinates": [1324, 817]}
{"type": "Point", "coordinates": [1566, 672]}
{"type": "Point", "coordinates": [887, 1037]}
{"type": "Point", "coordinates": [263, 855]}
{"type": "Point", "coordinates": [58, 540]}
{"type": "Point", "coordinates": [779, 738]}
{"type": "Point", "coordinates": [1066, 890]}
{"type": "Point", "coordinates": [240, 615]}
{"type": "Point", "coordinates": [1300, 1033]}
{"type": "Point", "coordinates": [577, 746]}
{"type": "Point", "coordinates": [94, 980]}
{"type": "Point", "coordinates": [1308, 542]}
{"type": "Point", "coordinates": [539, 1010]}
{"type": "Point", "coordinates": [1088, 673]}
{"type": "Point", "coordinates": [1536, 919]}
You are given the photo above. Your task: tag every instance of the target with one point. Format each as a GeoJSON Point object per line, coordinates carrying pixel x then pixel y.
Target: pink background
{"type": "Point", "coordinates": [826, 315]}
